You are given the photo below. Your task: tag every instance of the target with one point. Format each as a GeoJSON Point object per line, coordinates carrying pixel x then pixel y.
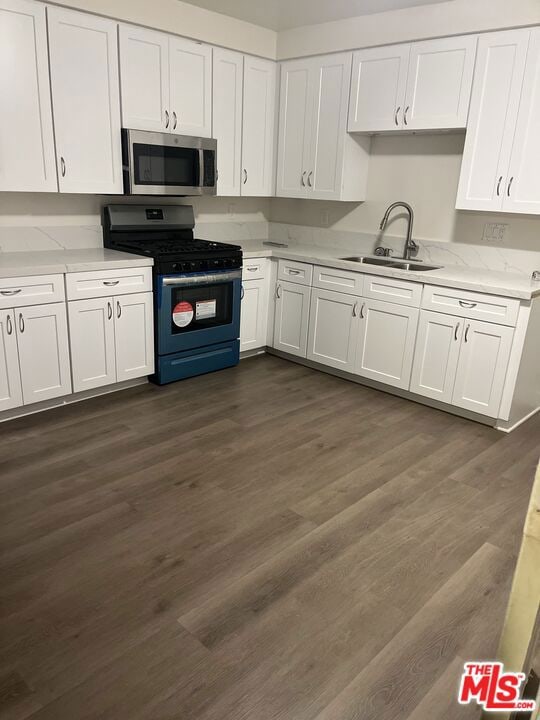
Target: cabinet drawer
{"type": "Point", "coordinates": [478, 306]}
{"type": "Point", "coordinates": [402, 292]}
{"type": "Point", "coordinates": [255, 269]}
{"type": "Point", "coordinates": [85, 285]}
{"type": "Point", "coordinates": [340, 280]}
{"type": "Point", "coordinates": [297, 272]}
{"type": "Point", "coordinates": [31, 290]}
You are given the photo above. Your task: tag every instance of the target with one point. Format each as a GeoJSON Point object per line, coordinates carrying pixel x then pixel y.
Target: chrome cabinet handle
{"type": "Point", "coordinates": [21, 322]}
{"type": "Point", "coordinates": [9, 325]}
{"type": "Point", "coordinates": [111, 282]}
{"type": "Point", "coordinates": [362, 310]}
{"type": "Point", "coordinates": [405, 114]}
{"type": "Point", "coordinates": [10, 292]}
{"type": "Point", "coordinates": [456, 331]}
{"type": "Point", "coordinates": [166, 118]}
{"type": "Point", "coordinates": [242, 292]}
{"type": "Point", "coordinates": [354, 309]}
{"type": "Point", "coordinates": [253, 268]}
{"type": "Point", "coordinates": [109, 310]}
{"type": "Point", "coordinates": [466, 304]}
{"type": "Point", "coordinates": [467, 332]}
{"type": "Point", "coordinates": [309, 178]}
{"type": "Point", "coordinates": [292, 271]}
{"type": "Point", "coordinates": [175, 120]}
{"type": "Point", "coordinates": [509, 186]}
{"type": "Point", "coordinates": [245, 176]}
{"type": "Point", "coordinates": [303, 178]}
{"type": "Point", "coordinates": [396, 115]}
{"type": "Point", "coordinates": [499, 185]}
{"type": "Point", "coordinates": [278, 291]}
{"type": "Point", "coordinates": [62, 166]}
{"type": "Point", "coordinates": [118, 309]}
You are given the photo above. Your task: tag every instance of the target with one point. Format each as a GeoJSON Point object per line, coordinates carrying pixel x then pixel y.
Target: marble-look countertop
{"type": "Point", "coordinates": [47, 262]}
{"type": "Point", "coordinates": [494, 282]}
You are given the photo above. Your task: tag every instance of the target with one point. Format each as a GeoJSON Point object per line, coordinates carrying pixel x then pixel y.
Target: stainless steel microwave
{"type": "Point", "coordinates": [164, 164]}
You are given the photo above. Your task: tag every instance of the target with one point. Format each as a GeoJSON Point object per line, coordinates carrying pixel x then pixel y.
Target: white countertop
{"type": "Point", "coordinates": [46, 262]}
{"type": "Point", "coordinates": [494, 282]}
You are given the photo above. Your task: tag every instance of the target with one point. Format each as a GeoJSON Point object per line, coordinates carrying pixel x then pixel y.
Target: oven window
{"type": "Point", "coordinates": [201, 307]}
{"type": "Point", "coordinates": [161, 165]}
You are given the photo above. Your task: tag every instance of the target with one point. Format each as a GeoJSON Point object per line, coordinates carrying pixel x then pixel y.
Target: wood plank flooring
{"type": "Point", "coordinates": [264, 543]}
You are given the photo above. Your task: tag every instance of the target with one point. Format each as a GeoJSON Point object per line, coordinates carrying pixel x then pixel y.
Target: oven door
{"type": "Point", "coordinates": [196, 310]}
{"type": "Point", "coordinates": [164, 164]}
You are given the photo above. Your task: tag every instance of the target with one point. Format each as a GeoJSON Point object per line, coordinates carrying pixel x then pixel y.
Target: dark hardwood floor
{"type": "Point", "coordinates": [268, 542]}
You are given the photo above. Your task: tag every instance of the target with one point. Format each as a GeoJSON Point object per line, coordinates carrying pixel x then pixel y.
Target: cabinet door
{"type": "Point", "coordinates": [190, 66]}
{"type": "Point", "coordinates": [10, 377]}
{"type": "Point", "coordinates": [522, 190]}
{"type": "Point", "coordinates": [436, 355]}
{"type": "Point", "coordinates": [42, 337]}
{"type": "Point", "coordinates": [295, 113]}
{"type": "Point", "coordinates": [258, 127]}
{"type": "Point", "coordinates": [439, 83]}
{"type": "Point", "coordinates": [386, 342]}
{"type": "Point", "coordinates": [291, 318]}
{"type": "Point", "coordinates": [144, 78]}
{"type": "Point", "coordinates": [134, 336]}
{"type": "Point", "coordinates": [333, 328]}
{"type": "Point", "coordinates": [492, 118]}
{"type": "Point", "coordinates": [253, 318]}
{"type": "Point", "coordinates": [481, 371]}
{"type": "Point", "coordinates": [26, 132]}
{"type": "Point", "coordinates": [227, 118]}
{"type": "Point", "coordinates": [330, 79]}
{"type": "Point", "coordinates": [377, 98]}
{"type": "Point", "coordinates": [83, 52]}
{"type": "Point", "coordinates": [91, 332]}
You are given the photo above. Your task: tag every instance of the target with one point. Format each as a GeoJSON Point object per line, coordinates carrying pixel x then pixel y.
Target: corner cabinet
{"type": "Point", "coordinates": [26, 130]}
{"type": "Point", "coordinates": [316, 157]}
{"type": "Point", "coordinates": [83, 52]}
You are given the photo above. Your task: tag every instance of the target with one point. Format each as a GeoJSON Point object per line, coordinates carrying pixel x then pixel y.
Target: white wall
{"type": "Point", "coordinates": [423, 170]}
{"type": "Point", "coordinates": [190, 21]}
{"type": "Point", "coordinates": [454, 17]}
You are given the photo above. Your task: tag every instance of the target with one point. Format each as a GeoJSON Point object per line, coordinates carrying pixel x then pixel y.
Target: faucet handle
{"type": "Point", "coordinates": [380, 250]}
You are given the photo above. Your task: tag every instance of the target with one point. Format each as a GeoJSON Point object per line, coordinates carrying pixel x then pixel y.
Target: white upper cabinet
{"type": "Point", "coordinates": [316, 157]}
{"type": "Point", "coordinates": [258, 127]}
{"type": "Point", "coordinates": [86, 101]}
{"type": "Point", "coordinates": [419, 86]}
{"type": "Point", "coordinates": [295, 114]}
{"type": "Point", "coordinates": [190, 66]}
{"type": "Point", "coordinates": [379, 79]}
{"type": "Point", "coordinates": [439, 83]}
{"type": "Point", "coordinates": [522, 190]}
{"type": "Point", "coordinates": [227, 119]}
{"type": "Point", "coordinates": [27, 160]}
{"type": "Point", "coordinates": [144, 78]}
{"type": "Point", "coordinates": [492, 120]}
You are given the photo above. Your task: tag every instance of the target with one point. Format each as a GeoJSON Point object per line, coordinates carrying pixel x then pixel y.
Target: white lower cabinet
{"type": "Point", "coordinates": [333, 329]}
{"type": "Point", "coordinates": [111, 339]}
{"type": "Point", "coordinates": [254, 315]}
{"type": "Point", "coordinates": [10, 376]}
{"type": "Point", "coordinates": [42, 339]}
{"type": "Point", "coordinates": [481, 372]}
{"type": "Point", "coordinates": [291, 318]}
{"type": "Point", "coordinates": [386, 342]}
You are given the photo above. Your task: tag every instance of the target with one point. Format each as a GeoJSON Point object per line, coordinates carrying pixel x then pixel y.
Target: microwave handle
{"type": "Point", "coordinates": [201, 167]}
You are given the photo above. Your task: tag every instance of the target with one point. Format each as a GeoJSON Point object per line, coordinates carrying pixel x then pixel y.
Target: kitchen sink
{"type": "Point", "coordinates": [392, 263]}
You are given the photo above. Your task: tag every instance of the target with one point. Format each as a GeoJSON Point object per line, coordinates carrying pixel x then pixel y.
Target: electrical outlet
{"type": "Point", "coordinates": [495, 232]}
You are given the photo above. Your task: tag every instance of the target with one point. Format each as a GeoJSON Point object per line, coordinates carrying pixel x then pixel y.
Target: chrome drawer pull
{"type": "Point", "coordinates": [499, 185]}
{"type": "Point", "coordinates": [466, 304]}
{"type": "Point", "coordinates": [395, 116]}
{"type": "Point", "coordinates": [362, 310]}
{"type": "Point", "coordinates": [175, 120]}
{"type": "Point", "coordinates": [278, 291]}
{"type": "Point", "coordinates": [21, 322]}
{"type": "Point", "coordinates": [467, 332]}
{"type": "Point", "coordinates": [405, 115]}
{"type": "Point", "coordinates": [10, 292]}
{"type": "Point", "coordinates": [303, 178]}
{"type": "Point", "coordinates": [109, 310]}
{"type": "Point", "coordinates": [118, 309]}
{"type": "Point", "coordinates": [111, 282]}
{"type": "Point", "coordinates": [242, 293]}
{"type": "Point", "coordinates": [254, 268]}
{"type": "Point", "coordinates": [166, 118]}
{"type": "Point", "coordinates": [9, 325]}
{"type": "Point", "coordinates": [456, 331]}
{"type": "Point", "coordinates": [292, 271]}
{"type": "Point", "coordinates": [354, 309]}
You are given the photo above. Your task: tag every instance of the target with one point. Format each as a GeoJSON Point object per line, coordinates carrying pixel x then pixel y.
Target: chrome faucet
{"type": "Point", "coordinates": [410, 245]}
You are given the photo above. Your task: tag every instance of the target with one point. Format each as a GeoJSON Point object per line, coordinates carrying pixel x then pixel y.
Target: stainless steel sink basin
{"type": "Point", "coordinates": [370, 260]}
{"type": "Point", "coordinates": [414, 266]}
{"type": "Point", "coordinates": [392, 263]}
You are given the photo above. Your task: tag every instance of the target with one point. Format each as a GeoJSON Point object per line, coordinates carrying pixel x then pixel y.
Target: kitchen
{"type": "Point", "coordinates": [336, 210]}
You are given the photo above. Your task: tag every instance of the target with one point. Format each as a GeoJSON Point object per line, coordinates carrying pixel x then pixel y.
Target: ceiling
{"type": "Point", "coordinates": [285, 14]}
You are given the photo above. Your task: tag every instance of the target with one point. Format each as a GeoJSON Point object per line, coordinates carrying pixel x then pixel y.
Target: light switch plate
{"type": "Point", "coordinates": [495, 232]}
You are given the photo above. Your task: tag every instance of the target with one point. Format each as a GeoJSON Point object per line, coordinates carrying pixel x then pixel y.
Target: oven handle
{"type": "Point", "coordinates": [210, 279]}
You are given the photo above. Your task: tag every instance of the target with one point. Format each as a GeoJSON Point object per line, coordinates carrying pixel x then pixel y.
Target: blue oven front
{"type": "Point", "coordinates": [197, 323]}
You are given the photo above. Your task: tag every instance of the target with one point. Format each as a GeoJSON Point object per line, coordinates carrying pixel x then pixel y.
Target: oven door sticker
{"type": "Point", "coordinates": [182, 314]}
{"type": "Point", "coordinates": [205, 309]}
